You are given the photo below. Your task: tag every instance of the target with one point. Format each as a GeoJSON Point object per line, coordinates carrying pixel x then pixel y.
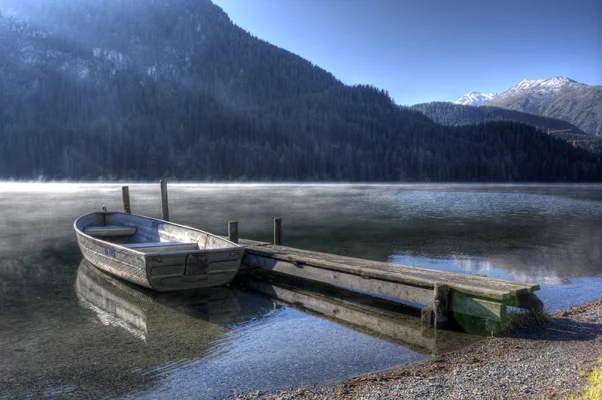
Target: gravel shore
{"type": "Point", "coordinates": [546, 361]}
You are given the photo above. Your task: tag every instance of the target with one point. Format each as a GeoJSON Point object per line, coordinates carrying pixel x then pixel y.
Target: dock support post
{"type": "Point", "coordinates": [125, 194]}
{"type": "Point", "coordinates": [440, 305]}
{"type": "Point", "coordinates": [278, 231]}
{"type": "Point", "coordinates": [164, 201]}
{"type": "Point", "coordinates": [233, 231]}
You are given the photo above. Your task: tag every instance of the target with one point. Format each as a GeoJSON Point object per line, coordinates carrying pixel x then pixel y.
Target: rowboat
{"type": "Point", "coordinates": [156, 254]}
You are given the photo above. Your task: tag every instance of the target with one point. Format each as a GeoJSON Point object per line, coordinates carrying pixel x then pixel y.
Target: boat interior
{"type": "Point", "coordinates": [145, 234]}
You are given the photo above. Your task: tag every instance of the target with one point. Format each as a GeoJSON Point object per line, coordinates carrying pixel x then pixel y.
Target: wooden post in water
{"type": "Point", "coordinates": [278, 231]}
{"type": "Point", "coordinates": [125, 194]}
{"type": "Point", "coordinates": [441, 305]}
{"type": "Point", "coordinates": [233, 231]}
{"type": "Point", "coordinates": [164, 201]}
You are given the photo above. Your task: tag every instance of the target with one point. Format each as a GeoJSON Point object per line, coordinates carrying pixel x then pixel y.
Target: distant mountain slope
{"type": "Point", "coordinates": [456, 114]}
{"type": "Point", "coordinates": [451, 114]}
{"type": "Point", "coordinates": [143, 89]}
{"type": "Point", "coordinates": [557, 97]}
{"type": "Point", "coordinates": [182, 42]}
{"type": "Point", "coordinates": [475, 98]}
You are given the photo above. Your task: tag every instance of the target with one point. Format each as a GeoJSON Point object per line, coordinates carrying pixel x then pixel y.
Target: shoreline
{"type": "Point", "coordinates": [551, 360]}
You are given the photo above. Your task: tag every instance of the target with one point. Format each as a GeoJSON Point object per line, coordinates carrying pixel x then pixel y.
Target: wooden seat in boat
{"type": "Point", "coordinates": [155, 247]}
{"type": "Point", "coordinates": [110, 230]}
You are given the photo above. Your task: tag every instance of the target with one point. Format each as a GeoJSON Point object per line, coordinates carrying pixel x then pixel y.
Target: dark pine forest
{"type": "Point", "coordinates": [458, 114]}
{"type": "Point", "coordinates": [151, 89]}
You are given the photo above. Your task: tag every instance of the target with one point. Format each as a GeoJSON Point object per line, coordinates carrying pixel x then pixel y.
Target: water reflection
{"type": "Point", "coordinates": [197, 315]}
{"type": "Point", "coordinates": [217, 320]}
{"type": "Point", "coordinates": [377, 317]}
{"type": "Point", "coordinates": [115, 339]}
{"type": "Point", "coordinates": [208, 314]}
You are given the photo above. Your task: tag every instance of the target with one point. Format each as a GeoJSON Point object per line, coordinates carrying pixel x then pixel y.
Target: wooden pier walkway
{"type": "Point", "coordinates": [438, 293]}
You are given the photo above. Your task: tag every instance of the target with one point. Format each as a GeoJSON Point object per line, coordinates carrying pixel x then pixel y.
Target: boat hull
{"type": "Point", "coordinates": [214, 263]}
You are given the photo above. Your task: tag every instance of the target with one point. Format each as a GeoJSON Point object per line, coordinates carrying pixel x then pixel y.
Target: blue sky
{"type": "Point", "coordinates": [426, 50]}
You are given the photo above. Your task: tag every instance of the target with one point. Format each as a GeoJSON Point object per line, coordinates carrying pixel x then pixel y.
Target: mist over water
{"type": "Point", "coordinates": [59, 335]}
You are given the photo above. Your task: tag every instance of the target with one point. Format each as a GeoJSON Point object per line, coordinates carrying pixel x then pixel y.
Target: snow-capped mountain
{"type": "Point", "coordinates": [557, 97]}
{"type": "Point", "coordinates": [475, 98]}
{"type": "Point", "coordinates": [541, 87]}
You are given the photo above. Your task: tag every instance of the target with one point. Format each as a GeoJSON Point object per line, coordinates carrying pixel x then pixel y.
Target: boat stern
{"type": "Point", "coordinates": [189, 270]}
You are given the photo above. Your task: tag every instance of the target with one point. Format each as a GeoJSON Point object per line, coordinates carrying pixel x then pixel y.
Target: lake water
{"type": "Point", "coordinates": [67, 331]}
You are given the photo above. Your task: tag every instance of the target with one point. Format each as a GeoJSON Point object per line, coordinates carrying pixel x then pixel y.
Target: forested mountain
{"type": "Point", "coordinates": [456, 114]}
{"type": "Point", "coordinates": [144, 89]}
{"type": "Point", "coordinates": [451, 114]}
{"type": "Point", "coordinates": [557, 97]}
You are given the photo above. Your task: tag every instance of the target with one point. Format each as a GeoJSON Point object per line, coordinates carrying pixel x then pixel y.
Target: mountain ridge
{"type": "Point", "coordinates": [140, 90]}
{"type": "Point", "coordinates": [451, 114]}
{"type": "Point", "coordinates": [556, 97]}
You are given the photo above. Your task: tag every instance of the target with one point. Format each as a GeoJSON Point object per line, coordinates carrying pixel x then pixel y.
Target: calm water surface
{"type": "Point", "coordinates": [68, 331]}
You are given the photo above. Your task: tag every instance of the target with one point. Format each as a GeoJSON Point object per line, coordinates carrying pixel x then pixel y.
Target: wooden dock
{"type": "Point", "coordinates": [439, 294]}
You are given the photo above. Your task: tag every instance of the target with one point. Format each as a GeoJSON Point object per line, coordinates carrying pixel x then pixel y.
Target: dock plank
{"type": "Point", "coordinates": [480, 286]}
{"type": "Point", "coordinates": [416, 294]}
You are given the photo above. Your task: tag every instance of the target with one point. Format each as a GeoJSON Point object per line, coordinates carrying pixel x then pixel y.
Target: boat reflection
{"type": "Point", "coordinates": [144, 313]}
{"type": "Point", "coordinates": [205, 315]}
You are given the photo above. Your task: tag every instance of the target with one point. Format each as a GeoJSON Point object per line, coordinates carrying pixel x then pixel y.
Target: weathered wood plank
{"type": "Point", "coordinates": [415, 294]}
{"type": "Point", "coordinates": [164, 200]}
{"type": "Point", "coordinates": [479, 286]}
{"type": "Point", "coordinates": [389, 272]}
{"type": "Point", "coordinates": [455, 302]}
{"type": "Point", "coordinates": [449, 292]}
{"type": "Point", "coordinates": [492, 282]}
